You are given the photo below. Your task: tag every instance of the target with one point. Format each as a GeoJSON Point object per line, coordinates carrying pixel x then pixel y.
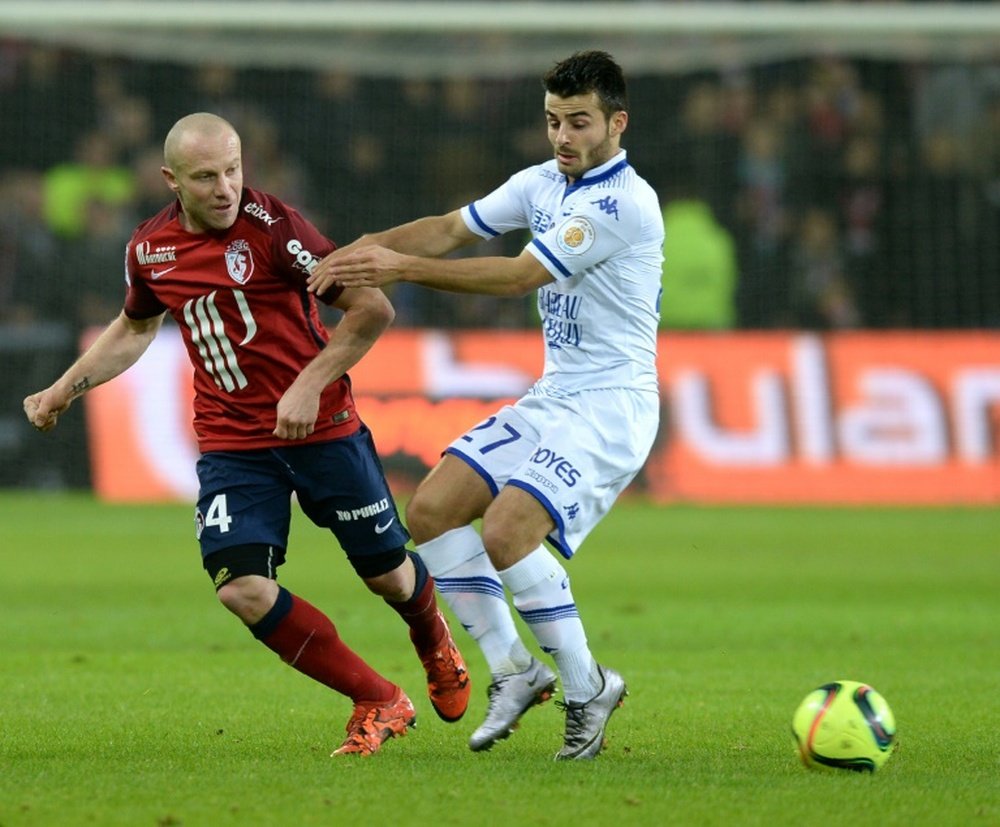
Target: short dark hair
{"type": "Point", "coordinates": [585, 72]}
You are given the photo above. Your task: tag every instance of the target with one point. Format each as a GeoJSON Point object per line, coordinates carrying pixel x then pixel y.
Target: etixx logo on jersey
{"type": "Point", "coordinates": [576, 235]}
{"type": "Point", "coordinates": [239, 261]}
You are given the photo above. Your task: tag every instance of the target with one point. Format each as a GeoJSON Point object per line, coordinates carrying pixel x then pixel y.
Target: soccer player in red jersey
{"type": "Point", "coordinates": [273, 415]}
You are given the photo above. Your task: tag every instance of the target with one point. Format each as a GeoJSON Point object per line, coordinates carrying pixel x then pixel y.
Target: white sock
{"type": "Point", "coordinates": [467, 581]}
{"type": "Point", "coordinates": [540, 588]}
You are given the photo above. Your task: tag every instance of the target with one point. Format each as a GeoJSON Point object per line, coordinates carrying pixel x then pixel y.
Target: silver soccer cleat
{"type": "Point", "coordinates": [510, 696]}
{"type": "Point", "coordinates": [585, 722]}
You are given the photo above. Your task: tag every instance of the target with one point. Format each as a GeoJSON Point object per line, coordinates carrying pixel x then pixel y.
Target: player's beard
{"type": "Point", "coordinates": [586, 161]}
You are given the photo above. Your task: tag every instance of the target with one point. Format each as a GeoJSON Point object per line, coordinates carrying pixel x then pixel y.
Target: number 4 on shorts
{"type": "Point", "coordinates": [218, 514]}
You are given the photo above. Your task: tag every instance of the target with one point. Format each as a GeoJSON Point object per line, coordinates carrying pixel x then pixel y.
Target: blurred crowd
{"type": "Point", "coordinates": [820, 193]}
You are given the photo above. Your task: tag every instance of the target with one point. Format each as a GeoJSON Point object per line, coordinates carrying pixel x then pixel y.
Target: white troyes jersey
{"type": "Point", "coordinates": [602, 241]}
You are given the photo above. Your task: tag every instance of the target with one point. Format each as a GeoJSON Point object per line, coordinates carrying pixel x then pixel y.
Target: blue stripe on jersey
{"type": "Point", "coordinates": [548, 254]}
{"type": "Point", "coordinates": [597, 179]}
{"type": "Point", "coordinates": [549, 614]}
{"type": "Point", "coordinates": [475, 215]}
{"type": "Point", "coordinates": [475, 585]}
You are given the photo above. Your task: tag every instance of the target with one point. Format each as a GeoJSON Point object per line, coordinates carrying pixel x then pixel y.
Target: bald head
{"type": "Point", "coordinates": [193, 132]}
{"type": "Point", "coordinates": [204, 169]}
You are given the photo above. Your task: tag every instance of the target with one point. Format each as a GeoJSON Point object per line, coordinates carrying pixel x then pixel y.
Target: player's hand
{"type": "Point", "coordinates": [321, 277]}
{"type": "Point", "coordinates": [42, 410]}
{"type": "Point", "coordinates": [369, 266]}
{"type": "Point", "coordinates": [297, 411]}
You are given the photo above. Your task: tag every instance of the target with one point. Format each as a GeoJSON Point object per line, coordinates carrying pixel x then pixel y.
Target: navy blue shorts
{"type": "Point", "coordinates": [244, 497]}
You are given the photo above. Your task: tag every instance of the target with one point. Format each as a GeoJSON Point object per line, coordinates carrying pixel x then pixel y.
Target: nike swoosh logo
{"type": "Point", "coordinates": [156, 274]}
{"type": "Point", "coordinates": [381, 529]}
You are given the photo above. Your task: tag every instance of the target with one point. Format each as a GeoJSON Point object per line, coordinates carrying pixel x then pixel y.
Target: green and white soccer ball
{"type": "Point", "coordinates": [844, 725]}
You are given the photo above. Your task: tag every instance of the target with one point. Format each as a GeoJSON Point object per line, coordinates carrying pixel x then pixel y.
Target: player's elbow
{"type": "Point", "coordinates": [383, 313]}
{"type": "Point", "coordinates": [371, 304]}
{"type": "Point", "coordinates": [524, 282]}
{"type": "Point", "coordinates": [517, 289]}
{"type": "Point", "coordinates": [524, 275]}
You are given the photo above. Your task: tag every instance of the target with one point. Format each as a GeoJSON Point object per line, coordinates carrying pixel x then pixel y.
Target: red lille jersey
{"type": "Point", "coordinates": [250, 327]}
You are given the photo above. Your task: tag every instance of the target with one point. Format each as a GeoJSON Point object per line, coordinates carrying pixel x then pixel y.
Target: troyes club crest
{"type": "Point", "coordinates": [239, 261]}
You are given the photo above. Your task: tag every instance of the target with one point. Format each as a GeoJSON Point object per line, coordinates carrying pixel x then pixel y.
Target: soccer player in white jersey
{"type": "Point", "coordinates": [549, 467]}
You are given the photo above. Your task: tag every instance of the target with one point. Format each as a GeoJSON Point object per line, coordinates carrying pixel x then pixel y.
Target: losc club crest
{"type": "Point", "coordinates": [239, 261]}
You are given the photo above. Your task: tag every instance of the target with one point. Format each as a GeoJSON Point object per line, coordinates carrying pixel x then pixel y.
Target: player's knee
{"type": "Point", "coordinates": [427, 519]}
{"type": "Point", "coordinates": [394, 586]}
{"type": "Point", "coordinates": [387, 574]}
{"type": "Point", "coordinates": [509, 541]}
{"type": "Point", "coordinates": [249, 597]}
{"type": "Point", "coordinates": [499, 542]}
{"type": "Point", "coordinates": [234, 594]}
{"type": "Point", "coordinates": [244, 579]}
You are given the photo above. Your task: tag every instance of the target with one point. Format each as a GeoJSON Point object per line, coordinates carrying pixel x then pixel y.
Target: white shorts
{"type": "Point", "coordinates": [575, 454]}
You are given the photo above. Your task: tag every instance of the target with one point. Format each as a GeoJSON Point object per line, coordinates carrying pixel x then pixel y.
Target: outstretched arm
{"type": "Point", "coordinates": [488, 275]}
{"type": "Point", "coordinates": [117, 348]}
{"type": "Point", "coordinates": [431, 237]}
{"type": "Point", "coordinates": [367, 313]}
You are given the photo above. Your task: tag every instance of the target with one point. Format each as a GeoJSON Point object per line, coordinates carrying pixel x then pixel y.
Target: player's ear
{"type": "Point", "coordinates": [618, 123]}
{"type": "Point", "coordinates": [170, 178]}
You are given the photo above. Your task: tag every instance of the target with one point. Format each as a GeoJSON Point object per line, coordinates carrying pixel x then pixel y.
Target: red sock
{"type": "Point", "coordinates": [420, 612]}
{"type": "Point", "coordinates": [306, 639]}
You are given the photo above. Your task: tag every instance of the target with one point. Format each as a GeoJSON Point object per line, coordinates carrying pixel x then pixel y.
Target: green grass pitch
{"type": "Point", "coordinates": [131, 697]}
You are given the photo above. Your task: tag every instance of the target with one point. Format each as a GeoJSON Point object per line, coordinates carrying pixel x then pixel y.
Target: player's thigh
{"type": "Point", "coordinates": [451, 495]}
{"type": "Point", "coordinates": [243, 500]}
{"type": "Point", "coordinates": [341, 486]}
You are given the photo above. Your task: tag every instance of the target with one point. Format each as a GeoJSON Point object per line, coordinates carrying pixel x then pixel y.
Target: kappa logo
{"type": "Point", "coordinates": [239, 261]}
{"type": "Point", "coordinates": [608, 205]}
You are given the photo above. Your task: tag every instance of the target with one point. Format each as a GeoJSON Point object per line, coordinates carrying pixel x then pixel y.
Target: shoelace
{"type": "Point", "coordinates": [452, 677]}
{"type": "Point", "coordinates": [360, 717]}
{"type": "Point", "coordinates": [575, 716]}
{"type": "Point", "coordinates": [496, 686]}
{"type": "Point", "coordinates": [357, 734]}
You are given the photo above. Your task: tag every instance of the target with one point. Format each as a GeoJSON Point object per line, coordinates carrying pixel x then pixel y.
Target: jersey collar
{"type": "Point", "coordinates": [608, 169]}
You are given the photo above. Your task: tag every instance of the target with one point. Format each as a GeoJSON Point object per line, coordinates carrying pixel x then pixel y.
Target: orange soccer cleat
{"type": "Point", "coordinates": [375, 722]}
{"type": "Point", "coordinates": [447, 678]}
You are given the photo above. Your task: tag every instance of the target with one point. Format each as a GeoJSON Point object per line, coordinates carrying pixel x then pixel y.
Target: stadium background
{"type": "Point", "coordinates": [833, 172]}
